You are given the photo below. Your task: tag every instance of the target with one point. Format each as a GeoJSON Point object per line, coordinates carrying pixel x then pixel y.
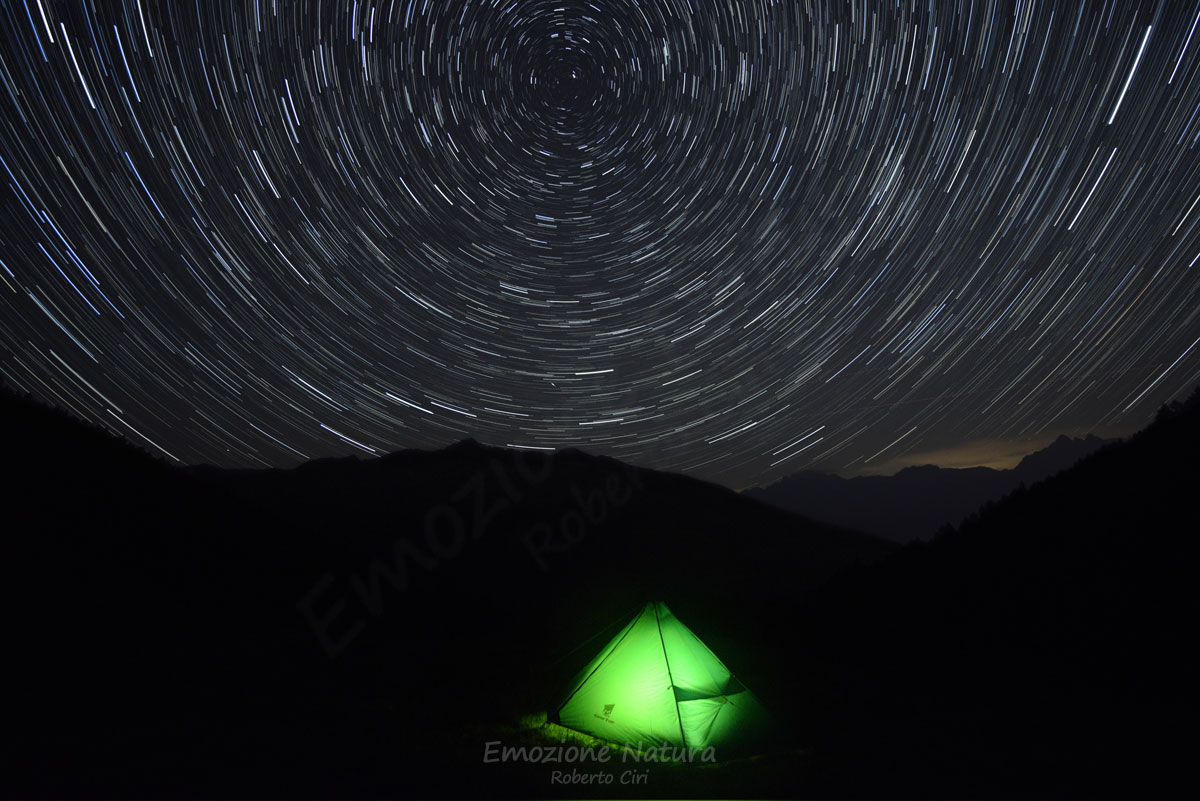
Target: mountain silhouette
{"type": "Point", "coordinates": [917, 501]}
{"type": "Point", "coordinates": [1041, 648]}
{"type": "Point", "coordinates": [363, 626]}
{"type": "Point", "coordinates": [343, 626]}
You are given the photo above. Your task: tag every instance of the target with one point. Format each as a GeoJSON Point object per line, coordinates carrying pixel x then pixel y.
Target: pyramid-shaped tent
{"type": "Point", "coordinates": [656, 682]}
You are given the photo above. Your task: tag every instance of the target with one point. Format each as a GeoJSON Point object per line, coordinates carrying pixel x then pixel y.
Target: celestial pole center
{"type": "Point", "coordinates": [736, 238]}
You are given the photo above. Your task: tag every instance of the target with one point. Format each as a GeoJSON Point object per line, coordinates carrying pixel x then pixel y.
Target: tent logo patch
{"type": "Point", "coordinates": [605, 716]}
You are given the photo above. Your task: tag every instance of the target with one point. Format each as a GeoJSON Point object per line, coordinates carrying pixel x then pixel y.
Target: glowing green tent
{"type": "Point", "coordinates": [656, 682]}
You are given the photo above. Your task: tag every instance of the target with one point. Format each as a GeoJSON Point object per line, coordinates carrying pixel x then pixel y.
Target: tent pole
{"type": "Point", "coordinates": [674, 696]}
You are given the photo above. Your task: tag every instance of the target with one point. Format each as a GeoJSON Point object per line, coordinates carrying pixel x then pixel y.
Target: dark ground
{"type": "Point", "coordinates": [363, 629]}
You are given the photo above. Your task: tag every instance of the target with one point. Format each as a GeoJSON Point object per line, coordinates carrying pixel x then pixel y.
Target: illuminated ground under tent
{"type": "Point", "coordinates": [656, 682]}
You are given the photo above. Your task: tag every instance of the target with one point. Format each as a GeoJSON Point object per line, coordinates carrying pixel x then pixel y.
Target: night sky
{"type": "Point", "coordinates": [736, 239]}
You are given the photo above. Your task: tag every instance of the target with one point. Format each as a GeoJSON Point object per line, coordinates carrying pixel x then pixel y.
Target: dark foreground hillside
{"type": "Point", "coordinates": [1043, 649]}
{"type": "Point", "coordinates": [363, 628]}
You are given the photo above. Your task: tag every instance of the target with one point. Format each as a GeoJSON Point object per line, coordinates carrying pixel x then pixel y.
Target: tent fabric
{"type": "Point", "coordinates": [655, 682]}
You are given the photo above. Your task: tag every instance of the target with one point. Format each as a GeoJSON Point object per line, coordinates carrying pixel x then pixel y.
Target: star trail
{"type": "Point", "coordinates": [736, 239]}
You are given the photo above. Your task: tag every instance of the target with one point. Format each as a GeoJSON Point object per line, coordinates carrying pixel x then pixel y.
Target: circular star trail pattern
{"type": "Point", "coordinates": [736, 238]}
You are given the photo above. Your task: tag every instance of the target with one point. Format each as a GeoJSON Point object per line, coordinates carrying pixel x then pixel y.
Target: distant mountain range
{"type": "Point", "coordinates": [916, 501]}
